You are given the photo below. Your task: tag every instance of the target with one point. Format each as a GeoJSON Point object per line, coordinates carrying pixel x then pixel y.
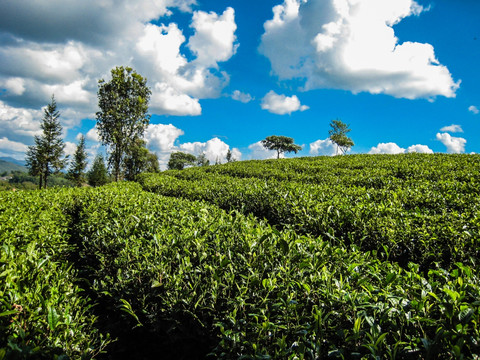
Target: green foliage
{"type": "Point", "coordinates": [338, 135]}
{"type": "Point", "coordinates": [176, 278]}
{"type": "Point", "coordinates": [7, 167]}
{"type": "Point", "coordinates": [98, 175]}
{"type": "Point", "coordinates": [123, 118]}
{"type": "Point", "coordinates": [179, 160]}
{"type": "Point", "coordinates": [139, 160]}
{"type": "Point", "coordinates": [45, 157]}
{"type": "Point", "coordinates": [202, 160]}
{"type": "Point", "coordinates": [415, 207]}
{"type": "Point", "coordinates": [281, 144]}
{"type": "Point", "coordinates": [43, 314]}
{"type": "Point", "coordinates": [76, 173]}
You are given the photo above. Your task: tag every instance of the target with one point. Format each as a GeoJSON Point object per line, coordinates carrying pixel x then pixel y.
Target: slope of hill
{"type": "Point", "coordinates": [11, 166]}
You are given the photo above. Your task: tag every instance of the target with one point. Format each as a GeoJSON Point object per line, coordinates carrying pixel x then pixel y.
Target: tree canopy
{"type": "Point", "coordinates": [338, 135]}
{"type": "Point", "coordinates": [139, 159]}
{"type": "Point", "coordinates": [123, 103]}
{"type": "Point", "coordinates": [179, 160]}
{"type": "Point", "coordinates": [46, 156]}
{"type": "Point", "coordinates": [281, 144]}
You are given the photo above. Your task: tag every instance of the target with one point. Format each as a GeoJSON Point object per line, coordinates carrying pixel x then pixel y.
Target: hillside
{"type": "Point", "coordinates": [10, 166]}
{"type": "Point", "coordinates": [351, 257]}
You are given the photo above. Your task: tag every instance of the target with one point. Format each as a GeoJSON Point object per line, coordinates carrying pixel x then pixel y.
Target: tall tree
{"type": "Point", "coordinates": [98, 175]}
{"type": "Point", "coordinates": [230, 157]}
{"type": "Point", "coordinates": [76, 173]}
{"type": "Point", "coordinates": [202, 160]}
{"type": "Point", "coordinates": [281, 144]}
{"type": "Point", "coordinates": [123, 103]}
{"type": "Point", "coordinates": [139, 159]}
{"type": "Point", "coordinates": [46, 156]}
{"type": "Point", "coordinates": [178, 160]}
{"type": "Point", "coordinates": [338, 135]}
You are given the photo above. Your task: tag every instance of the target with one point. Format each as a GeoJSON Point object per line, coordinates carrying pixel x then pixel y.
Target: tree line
{"type": "Point", "coordinates": [121, 123]}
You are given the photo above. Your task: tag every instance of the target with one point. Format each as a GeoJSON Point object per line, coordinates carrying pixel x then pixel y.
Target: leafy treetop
{"type": "Point", "coordinates": [281, 144]}
{"type": "Point", "coordinates": [123, 103]}
{"type": "Point", "coordinates": [338, 135]}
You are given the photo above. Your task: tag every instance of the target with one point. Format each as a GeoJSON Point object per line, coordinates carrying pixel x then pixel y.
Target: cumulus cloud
{"type": "Point", "coordinates": [93, 135]}
{"type": "Point", "coordinates": [455, 145]}
{"type": "Point", "coordinates": [70, 148]}
{"type": "Point", "coordinates": [452, 128]}
{"type": "Point", "coordinates": [215, 150]}
{"type": "Point", "coordinates": [6, 144]}
{"type": "Point", "coordinates": [387, 148]}
{"type": "Point", "coordinates": [259, 152]}
{"type": "Point", "coordinates": [214, 38]}
{"type": "Point", "coordinates": [64, 47]}
{"type": "Point", "coordinates": [163, 140]}
{"type": "Point", "coordinates": [473, 109]}
{"type": "Point", "coordinates": [281, 104]}
{"type": "Point", "coordinates": [323, 147]}
{"type": "Point", "coordinates": [242, 97]}
{"type": "Point", "coordinates": [351, 45]}
{"type": "Point", "coordinates": [19, 123]}
{"type": "Point", "coordinates": [424, 149]}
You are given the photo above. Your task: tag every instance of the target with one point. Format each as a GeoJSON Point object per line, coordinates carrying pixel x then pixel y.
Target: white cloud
{"type": "Point", "coordinates": [387, 148]}
{"type": "Point", "coordinates": [281, 104]}
{"type": "Point", "coordinates": [19, 123]}
{"type": "Point", "coordinates": [92, 135]}
{"type": "Point", "coordinates": [473, 109]}
{"type": "Point", "coordinates": [15, 85]}
{"type": "Point", "coordinates": [6, 144]}
{"type": "Point", "coordinates": [52, 48]}
{"type": "Point", "coordinates": [215, 150]}
{"type": "Point", "coordinates": [259, 152]}
{"type": "Point", "coordinates": [70, 148]}
{"type": "Point", "coordinates": [242, 97]}
{"type": "Point", "coordinates": [452, 128]}
{"type": "Point", "coordinates": [455, 145]}
{"type": "Point", "coordinates": [351, 45]}
{"type": "Point", "coordinates": [163, 140]}
{"type": "Point", "coordinates": [214, 38]}
{"type": "Point", "coordinates": [323, 147]}
{"type": "Point", "coordinates": [424, 149]}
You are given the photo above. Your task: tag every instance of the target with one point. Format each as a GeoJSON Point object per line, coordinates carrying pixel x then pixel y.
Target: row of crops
{"type": "Point", "coordinates": [237, 262]}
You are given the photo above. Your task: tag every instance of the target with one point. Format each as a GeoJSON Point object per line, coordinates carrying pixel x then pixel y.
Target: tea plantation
{"type": "Point", "coordinates": [347, 257]}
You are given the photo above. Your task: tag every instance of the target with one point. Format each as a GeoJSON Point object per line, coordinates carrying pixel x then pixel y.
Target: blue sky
{"type": "Point", "coordinates": [226, 74]}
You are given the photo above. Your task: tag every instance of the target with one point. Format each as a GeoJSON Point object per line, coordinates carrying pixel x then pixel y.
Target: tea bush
{"type": "Point", "coordinates": [424, 213]}
{"type": "Point", "coordinates": [43, 314]}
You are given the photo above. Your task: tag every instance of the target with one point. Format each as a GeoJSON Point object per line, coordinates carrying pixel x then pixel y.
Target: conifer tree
{"type": "Point", "coordinates": [47, 155]}
{"type": "Point", "coordinates": [98, 175]}
{"type": "Point", "coordinates": [76, 173]}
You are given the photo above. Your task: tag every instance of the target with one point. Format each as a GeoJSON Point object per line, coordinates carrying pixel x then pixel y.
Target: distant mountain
{"type": "Point", "coordinates": [12, 160]}
{"type": "Point", "coordinates": [10, 165]}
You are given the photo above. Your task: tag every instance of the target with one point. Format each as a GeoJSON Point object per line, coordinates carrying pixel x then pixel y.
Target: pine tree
{"type": "Point", "coordinates": [46, 156]}
{"type": "Point", "coordinates": [98, 175]}
{"type": "Point", "coordinates": [76, 173]}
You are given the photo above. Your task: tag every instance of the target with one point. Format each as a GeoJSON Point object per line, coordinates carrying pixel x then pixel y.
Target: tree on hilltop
{"type": "Point", "coordinates": [123, 103]}
{"type": "Point", "coordinates": [338, 135]}
{"type": "Point", "coordinates": [179, 160]}
{"type": "Point", "coordinates": [281, 144]}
